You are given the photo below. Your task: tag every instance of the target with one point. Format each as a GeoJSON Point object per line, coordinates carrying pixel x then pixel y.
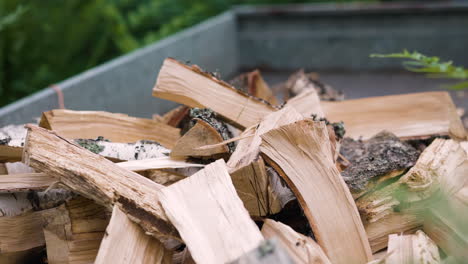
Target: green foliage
{"type": "Point", "coordinates": [432, 66]}
{"type": "Point", "coordinates": [51, 40]}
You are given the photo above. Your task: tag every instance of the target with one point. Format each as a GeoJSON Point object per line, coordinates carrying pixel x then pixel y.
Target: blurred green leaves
{"type": "Point", "coordinates": [432, 66]}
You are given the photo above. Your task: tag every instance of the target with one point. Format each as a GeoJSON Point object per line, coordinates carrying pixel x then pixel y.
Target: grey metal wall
{"type": "Point", "coordinates": [342, 36]}
{"type": "Point", "coordinates": [124, 85]}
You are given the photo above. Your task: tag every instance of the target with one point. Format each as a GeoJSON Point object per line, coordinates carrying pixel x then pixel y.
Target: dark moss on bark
{"type": "Point", "coordinates": [380, 155]}
{"type": "Point", "coordinates": [338, 127]}
{"type": "Point", "coordinates": [91, 144]}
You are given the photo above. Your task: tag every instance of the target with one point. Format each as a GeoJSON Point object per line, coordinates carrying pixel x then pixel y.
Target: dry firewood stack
{"type": "Point", "coordinates": [235, 176]}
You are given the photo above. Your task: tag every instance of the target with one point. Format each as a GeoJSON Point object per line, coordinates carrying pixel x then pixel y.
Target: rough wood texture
{"type": "Point", "coordinates": [253, 84]}
{"type": "Point", "coordinates": [407, 115]}
{"type": "Point", "coordinates": [302, 249]}
{"type": "Point", "coordinates": [21, 232]}
{"type": "Point", "coordinates": [11, 142]}
{"type": "Point", "coordinates": [115, 127]}
{"type": "Point", "coordinates": [157, 163]}
{"type": "Point", "coordinates": [126, 242]}
{"type": "Point", "coordinates": [301, 153]}
{"type": "Point", "coordinates": [301, 81]}
{"type": "Point", "coordinates": [97, 178]}
{"type": "Point", "coordinates": [410, 249]}
{"type": "Point", "coordinates": [201, 134]}
{"type": "Point", "coordinates": [378, 232]}
{"type": "Point", "coordinates": [269, 251]}
{"type": "Point", "coordinates": [209, 216]}
{"type": "Point", "coordinates": [74, 230]}
{"type": "Point", "coordinates": [190, 86]}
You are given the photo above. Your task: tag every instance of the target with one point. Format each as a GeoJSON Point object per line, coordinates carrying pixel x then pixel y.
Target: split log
{"type": "Point", "coordinates": [13, 204]}
{"type": "Point", "coordinates": [115, 127]}
{"type": "Point", "coordinates": [21, 232]}
{"type": "Point", "coordinates": [301, 81]}
{"type": "Point", "coordinates": [261, 193]}
{"type": "Point", "coordinates": [24, 182]}
{"type": "Point", "coordinates": [173, 117]}
{"type": "Point", "coordinates": [307, 103]}
{"type": "Point", "coordinates": [269, 251]}
{"type": "Point", "coordinates": [74, 230]}
{"type": "Point", "coordinates": [407, 116]}
{"type": "Point", "coordinates": [378, 232]}
{"type": "Point", "coordinates": [126, 242]}
{"type": "Point", "coordinates": [3, 169]}
{"type": "Point", "coordinates": [302, 154]}
{"type": "Point", "coordinates": [210, 216]}
{"type": "Point", "coordinates": [253, 84]}
{"type": "Point", "coordinates": [302, 249]}
{"type": "Point", "coordinates": [97, 178]}
{"type": "Point", "coordinates": [190, 86]}
{"type": "Point", "coordinates": [11, 142]}
{"type": "Point", "coordinates": [410, 249]}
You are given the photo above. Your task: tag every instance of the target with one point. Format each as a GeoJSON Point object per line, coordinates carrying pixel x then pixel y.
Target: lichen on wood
{"type": "Point", "coordinates": [380, 155]}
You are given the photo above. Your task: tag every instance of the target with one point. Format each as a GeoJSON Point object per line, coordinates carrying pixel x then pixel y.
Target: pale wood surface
{"type": "Point", "coordinates": [192, 87]}
{"type": "Point", "coordinates": [406, 115]}
{"type": "Point", "coordinates": [307, 103]}
{"type": "Point", "coordinates": [209, 216]}
{"type": "Point", "coordinates": [302, 249]}
{"type": "Point", "coordinates": [12, 140]}
{"type": "Point", "coordinates": [126, 242]}
{"type": "Point", "coordinates": [97, 178]}
{"type": "Point", "coordinates": [378, 232]}
{"type": "Point", "coordinates": [17, 168]}
{"type": "Point", "coordinates": [25, 182]}
{"type": "Point", "coordinates": [301, 153]}
{"type": "Point", "coordinates": [410, 249]}
{"type": "Point", "coordinates": [115, 127]}
{"type": "Point", "coordinates": [21, 232]}
{"type": "Point", "coordinates": [199, 135]}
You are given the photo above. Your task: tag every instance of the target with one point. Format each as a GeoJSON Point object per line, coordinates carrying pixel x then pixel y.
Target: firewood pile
{"type": "Point", "coordinates": [234, 175]}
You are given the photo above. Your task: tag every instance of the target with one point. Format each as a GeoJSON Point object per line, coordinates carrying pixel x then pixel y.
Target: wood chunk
{"type": "Point", "coordinates": [157, 163]}
{"type": "Point", "coordinates": [201, 134]}
{"type": "Point", "coordinates": [210, 216]}
{"type": "Point", "coordinates": [307, 103]}
{"type": "Point", "coordinates": [13, 204]}
{"type": "Point", "coordinates": [410, 249]}
{"type": "Point", "coordinates": [173, 117]}
{"type": "Point", "coordinates": [74, 230]}
{"type": "Point", "coordinates": [302, 249]}
{"type": "Point", "coordinates": [3, 169]}
{"type": "Point", "coordinates": [301, 81]}
{"type": "Point", "coordinates": [21, 232]}
{"type": "Point", "coordinates": [97, 178]}
{"type": "Point", "coordinates": [126, 242]}
{"type": "Point", "coordinates": [301, 153]}
{"type": "Point", "coordinates": [190, 86]}
{"type": "Point", "coordinates": [381, 155]}
{"type": "Point", "coordinates": [269, 251]}
{"type": "Point", "coordinates": [407, 116]}
{"type": "Point", "coordinates": [11, 142]}
{"type": "Point", "coordinates": [140, 150]}
{"type": "Point", "coordinates": [25, 182]}
{"type": "Point", "coordinates": [115, 127]}
{"type": "Point", "coordinates": [378, 232]}
{"type": "Point", "coordinates": [254, 188]}
{"type": "Point", "coordinates": [253, 84]}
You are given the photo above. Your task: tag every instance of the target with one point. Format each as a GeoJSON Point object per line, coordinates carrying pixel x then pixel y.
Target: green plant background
{"type": "Point", "coordinates": [46, 41]}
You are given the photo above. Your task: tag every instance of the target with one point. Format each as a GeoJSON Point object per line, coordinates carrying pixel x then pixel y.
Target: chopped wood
{"type": "Point", "coordinates": [307, 103]}
{"type": "Point", "coordinates": [407, 116]}
{"type": "Point", "coordinates": [378, 232]}
{"type": "Point", "coordinates": [12, 204]}
{"type": "Point", "coordinates": [302, 249]}
{"type": "Point", "coordinates": [157, 163]}
{"type": "Point", "coordinates": [140, 150]}
{"type": "Point", "coordinates": [253, 84]}
{"type": "Point", "coordinates": [97, 178]}
{"type": "Point", "coordinates": [301, 81]}
{"type": "Point", "coordinates": [302, 154]}
{"type": "Point", "coordinates": [25, 182]}
{"type": "Point", "coordinates": [201, 134]}
{"type": "Point", "coordinates": [173, 117]}
{"type": "Point", "coordinates": [115, 127]}
{"type": "Point", "coordinates": [209, 215]}
{"type": "Point", "coordinates": [11, 142]}
{"type": "Point", "coordinates": [74, 230]}
{"type": "Point", "coordinates": [269, 251]}
{"type": "Point", "coordinates": [21, 232]}
{"type": "Point", "coordinates": [3, 169]}
{"type": "Point", "coordinates": [410, 249]}
{"type": "Point", "coordinates": [190, 86]}
{"type": "Point", "coordinates": [126, 242]}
